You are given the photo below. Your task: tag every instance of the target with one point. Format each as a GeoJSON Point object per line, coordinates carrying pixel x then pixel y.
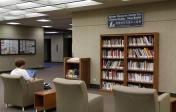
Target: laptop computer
{"type": "Point", "coordinates": [32, 73]}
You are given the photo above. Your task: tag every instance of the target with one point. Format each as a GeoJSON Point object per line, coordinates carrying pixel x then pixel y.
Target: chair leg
{"type": "Point", "coordinates": [22, 108]}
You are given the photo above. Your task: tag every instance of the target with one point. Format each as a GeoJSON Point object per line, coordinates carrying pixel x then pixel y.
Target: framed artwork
{"type": "Point", "coordinates": [27, 46]}
{"type": "Point", "coordinates": [9, 47]}
{"type": "Point", "coordinates": [17, 46]}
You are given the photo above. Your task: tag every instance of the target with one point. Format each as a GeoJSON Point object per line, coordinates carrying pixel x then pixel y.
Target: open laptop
{"type": "Point", "coordinates": [32, 73]}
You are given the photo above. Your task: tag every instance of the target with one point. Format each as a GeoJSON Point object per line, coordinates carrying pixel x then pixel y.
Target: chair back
{"type": "Point", "coordinates": [129, 99]}
{"type": "Point", "coordinates": [71, 95]}
{"type": "Point", "coordinates": [14, 88]}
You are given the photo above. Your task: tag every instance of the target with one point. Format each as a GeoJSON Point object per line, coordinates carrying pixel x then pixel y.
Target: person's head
{"type": "Point", "coordinates": [20, 62]}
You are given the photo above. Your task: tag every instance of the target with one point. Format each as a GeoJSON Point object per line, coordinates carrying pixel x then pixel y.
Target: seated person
{"type": "Point", "coordinates": [20, 71]}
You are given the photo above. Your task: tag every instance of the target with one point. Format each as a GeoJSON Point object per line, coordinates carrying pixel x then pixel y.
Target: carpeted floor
{"type": "Point", "coordinates": [48, 74]}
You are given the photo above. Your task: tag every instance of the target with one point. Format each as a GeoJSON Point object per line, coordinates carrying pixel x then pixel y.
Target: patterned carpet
{"type": "Point", "coordinates": [48, 74]}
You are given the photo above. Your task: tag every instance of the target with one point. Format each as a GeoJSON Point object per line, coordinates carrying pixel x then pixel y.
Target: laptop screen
{"type": "Point", "coordinates": [32, 73]}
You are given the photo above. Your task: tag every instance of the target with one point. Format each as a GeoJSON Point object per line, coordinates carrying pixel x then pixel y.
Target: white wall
{"type": "Point", "coordinates": [21, 32]}
{"type": "Point", "coordinates": [158, 17]}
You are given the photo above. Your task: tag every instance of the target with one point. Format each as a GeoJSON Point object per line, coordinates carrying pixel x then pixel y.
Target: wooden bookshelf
{"type": "Point", "coordinates": [136, 54]}
{"type": "Point", "coordinates": [77, 70]}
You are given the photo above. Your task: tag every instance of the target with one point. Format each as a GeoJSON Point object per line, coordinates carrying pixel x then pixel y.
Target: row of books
{"type": "Point", "coordinates": [113, 75]}
{"type": "Point", "coordinates": [108, 85]}
{"type": "Point", "coordinates": [113, 64]}
{"type": "Point", "coordinates": [140, 53]}
{"type": "Point", "coordinates": [139, 41]}
{"type": "Point", "coordinates": [113, 43]}
{"type": "Point", "coordinates": [148, 78]}
{"type": "Point", "coordinates": [134, 65]}
{"type": "Point", "coordinates": [139, 86]}
{"type": "Point", "coordinates": [113, 53]}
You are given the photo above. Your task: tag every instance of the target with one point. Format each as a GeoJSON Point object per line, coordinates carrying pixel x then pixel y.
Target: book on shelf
{"type": "Point", "coordinates": [143, 65]}
{"type": "Point", "coordinates": [116, 53]}
{"type": "Point", "coordinates": [113, 75]}
{"type": "Point", "coordinates": [109, 64]}
{"type": "Point", "coordinates": [139, 77]}
{"type": "Point", "coordinates": [140, 53]}
{"type": "Point", "coordinates": [113, 43]}
{"type": "Point", "coordinates": [140, 41]}
{"type": "Point", "coordinates": [139, 86]}
{"type": "Point", "coordinates": [108, 85]}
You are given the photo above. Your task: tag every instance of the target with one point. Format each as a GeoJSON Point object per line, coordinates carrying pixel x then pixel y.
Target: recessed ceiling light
{"type": "Point", "coordinates": [43, 20]}
{"type": "Point", "coordinates": [13, 23]}
{"type": "Point", "coordinates": [51, 32]}
{"type": "Point", "coordinates": [47, 26]}
{"type": "Point", "coordinates": [69, 28]}
{"type": "Point", "coordinates": [125, 0]}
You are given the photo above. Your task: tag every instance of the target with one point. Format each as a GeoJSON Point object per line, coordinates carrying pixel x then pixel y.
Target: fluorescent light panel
{"type": "Point", "coordinates": [9, 2]}
{"type": "Point", "coordinates": [47, 26]}
{"type": "Point", "coordinates": [34, 15]}
{"type": "Point", "coordinates": [13, 23]}
{"type": "Point", "coordinates": [82, 4]}
{"type": "Point", "coordinates": [18, 12]}
{"type": "Point", "coordinates": [3, 10]}
{"type": "Point", "coordinates": [46, 8]}
{"type": "Point", "coordinates": [13, 17]}
{"type": "Point", "coordinates": [28, 5]}
{"type": "Point", "coordinates": [63, 1]}
{"type": "Point", "coordinates": [43, 20]}
{"type": "Point", "coordinates": [51, 32]}
{"type": "Point", "coordinates": [17, 9]}
{"type": "Point", "coordinates": [126, 0]}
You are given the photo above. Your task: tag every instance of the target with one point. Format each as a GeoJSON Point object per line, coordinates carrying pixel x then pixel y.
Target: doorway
{"type": "Point", "coordinates": [47, 50]}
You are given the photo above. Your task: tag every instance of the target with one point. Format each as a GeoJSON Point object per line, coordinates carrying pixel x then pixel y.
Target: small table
{"type": "Point", "coordinates": [44, 100]}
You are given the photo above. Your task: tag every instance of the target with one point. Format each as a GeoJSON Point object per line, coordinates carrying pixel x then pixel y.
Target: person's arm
{"type": "Point", "coordinates": [26, 76]}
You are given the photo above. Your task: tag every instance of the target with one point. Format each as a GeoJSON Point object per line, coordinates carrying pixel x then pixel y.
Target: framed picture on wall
{"type": "Point", "coordinates": [27, 46]}
{"type": "Point", "coordinates": [8, 46]}
{"type": "Point", "coordinates": [17, 46]}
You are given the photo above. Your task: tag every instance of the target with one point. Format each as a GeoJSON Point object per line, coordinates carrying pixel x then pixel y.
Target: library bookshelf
{"type": "Point", "coordinates": [78, 69]}
{"type": "Point", "coordinates": [130, 60]}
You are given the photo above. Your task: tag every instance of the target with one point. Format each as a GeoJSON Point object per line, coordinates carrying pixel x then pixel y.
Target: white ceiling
{"type": "Point", "coordinates": [58, 11]}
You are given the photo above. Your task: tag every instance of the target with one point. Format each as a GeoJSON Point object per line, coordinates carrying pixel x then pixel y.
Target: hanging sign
{"type": "Point", "coordinates": [126, 20]}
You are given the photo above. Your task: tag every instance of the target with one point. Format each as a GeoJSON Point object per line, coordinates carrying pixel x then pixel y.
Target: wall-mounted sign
{"type": "Point", "coordinates": [126, 20]}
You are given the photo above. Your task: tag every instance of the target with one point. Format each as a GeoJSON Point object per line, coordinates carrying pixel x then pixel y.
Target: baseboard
{"type": "Point", "coordinates": [94, 86]}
